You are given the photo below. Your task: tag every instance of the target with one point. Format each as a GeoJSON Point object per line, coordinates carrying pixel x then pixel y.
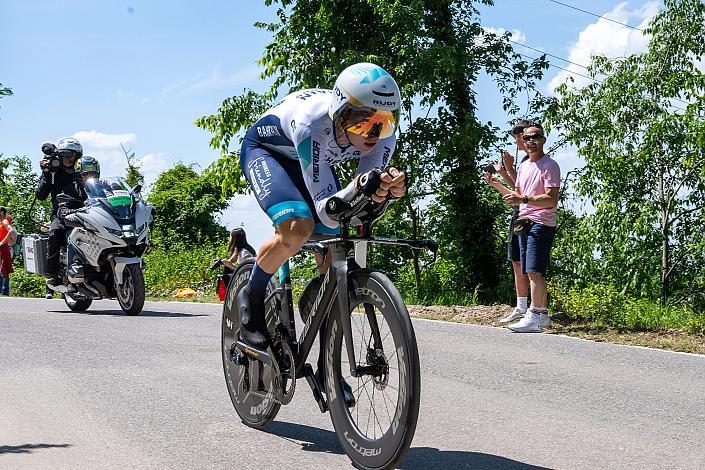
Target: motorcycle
{"type": "Point", "coordinates": [109, 237]}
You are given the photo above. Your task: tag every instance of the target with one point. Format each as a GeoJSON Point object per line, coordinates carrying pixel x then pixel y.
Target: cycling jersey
{"type": "Point", "coordinates": [299, 129]}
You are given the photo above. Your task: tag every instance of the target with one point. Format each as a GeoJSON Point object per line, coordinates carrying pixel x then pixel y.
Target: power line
{"type": "Point", "coordinates": [594, 79]}
{"type": "Point", "coordinates": [564, 69]}
{"type": "Point", "coordinates": [596, 15]}
{"type": "Point", "coordinates": [546, 53]}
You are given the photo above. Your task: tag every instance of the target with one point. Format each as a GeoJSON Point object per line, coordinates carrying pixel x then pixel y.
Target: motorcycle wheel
{"type": "Point", "coordinates": [77, 305]}
{"type": "Point", "coordinates": [130, 294]}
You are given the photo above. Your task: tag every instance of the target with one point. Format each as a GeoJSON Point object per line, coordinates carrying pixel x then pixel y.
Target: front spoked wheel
{"type": "Point", "coordinates": [251, 385]}
{"type": "Point", "coordinates": [377, 431]}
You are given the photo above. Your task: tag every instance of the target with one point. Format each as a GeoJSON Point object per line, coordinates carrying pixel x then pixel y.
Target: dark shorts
{"type": "Point", "coordinates": [535, 248]}
{"type": "Point", "coordinates": [512, 244]}
{"type": "Point", "coordinates": [278, 185]}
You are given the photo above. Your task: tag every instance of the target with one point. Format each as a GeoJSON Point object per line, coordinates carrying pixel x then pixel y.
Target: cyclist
{"type": "Point", "coordinates": [288, 158]}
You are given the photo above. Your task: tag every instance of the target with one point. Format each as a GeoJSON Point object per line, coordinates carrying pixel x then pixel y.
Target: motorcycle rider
{"type": "Point", "coordinates": [88, 168]}
{"type": "Point", "coordinates": [59, 175]}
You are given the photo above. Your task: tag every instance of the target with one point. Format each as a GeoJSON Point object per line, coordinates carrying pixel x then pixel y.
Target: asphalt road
{"type": "Point", "coordinates": [102, 390]}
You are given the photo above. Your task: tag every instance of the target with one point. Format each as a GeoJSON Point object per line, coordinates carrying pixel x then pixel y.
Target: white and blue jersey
{"type": "Point", "coordinates": [289, 154]}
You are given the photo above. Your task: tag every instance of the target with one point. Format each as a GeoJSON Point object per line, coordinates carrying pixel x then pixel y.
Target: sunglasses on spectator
{"type": "Point", "coordinates": [532, 137]}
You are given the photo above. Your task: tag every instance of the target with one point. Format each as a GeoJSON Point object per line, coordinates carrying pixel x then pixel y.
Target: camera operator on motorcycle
{"type": "Point", "coordinates": [59, 175]}
{"type": "Point", "coordinates": [288, 158]}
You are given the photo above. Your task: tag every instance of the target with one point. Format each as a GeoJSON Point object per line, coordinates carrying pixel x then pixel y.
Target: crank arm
{"type": "Point", "coordinates": [255, 353]}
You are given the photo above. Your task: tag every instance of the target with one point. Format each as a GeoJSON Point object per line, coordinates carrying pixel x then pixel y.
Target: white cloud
{"type": "Point", "coordinates": [99, 140]}
{"type": "Point", "coordinates": [106, 148]}
{"type": "Point", "coordinates": [607, 38]}
{"type": "Point", "coordinates": [215, 80]}
{"type": "Point", "coordinates": [517, 35]}
{"type": "Point", "coordinates": [152, 165]}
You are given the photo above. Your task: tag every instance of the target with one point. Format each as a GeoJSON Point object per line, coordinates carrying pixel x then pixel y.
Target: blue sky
{"type": "Point", "coordinates": [140, 72]}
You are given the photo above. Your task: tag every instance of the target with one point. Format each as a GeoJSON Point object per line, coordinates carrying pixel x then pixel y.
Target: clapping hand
{"type": "Point", "coordinates": [507, 159]}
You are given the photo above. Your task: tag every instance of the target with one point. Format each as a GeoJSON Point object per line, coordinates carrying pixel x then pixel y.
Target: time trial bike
{"type": "Point", "coordinates": [368, 346]}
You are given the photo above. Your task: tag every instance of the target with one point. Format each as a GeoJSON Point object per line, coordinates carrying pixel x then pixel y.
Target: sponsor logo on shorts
{"type": "Point", "coordinates": [260, 178]}
{"type": "Point", "coordinates": [282, 213]}
{"type": "Point", "coordinates": [268, 131]}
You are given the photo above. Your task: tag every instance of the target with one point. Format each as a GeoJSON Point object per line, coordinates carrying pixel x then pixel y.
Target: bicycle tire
{"type": "Point", "coordinates": [387, 450]}
{"type": "Point", "coordinates": [255, 409]}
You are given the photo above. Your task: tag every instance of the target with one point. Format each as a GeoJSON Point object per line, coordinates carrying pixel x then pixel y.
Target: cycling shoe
{"type": "Point", "coordinates": [253, 327]}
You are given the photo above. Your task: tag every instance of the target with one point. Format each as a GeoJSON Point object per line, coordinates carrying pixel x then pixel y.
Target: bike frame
{"type": "Point", "coordinates": [335, 286]}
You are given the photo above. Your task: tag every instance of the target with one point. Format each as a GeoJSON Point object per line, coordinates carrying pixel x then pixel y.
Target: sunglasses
{"type": "Point", "coordinates": [532, 137]}
{"type": "Point", "coordinates": [369, 122]}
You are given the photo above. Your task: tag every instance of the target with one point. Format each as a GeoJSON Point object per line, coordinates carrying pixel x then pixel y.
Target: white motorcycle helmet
{"type": "Point", "coordinates": [70, 145]}
{"type": "Point", "coordinates": [366, 101]}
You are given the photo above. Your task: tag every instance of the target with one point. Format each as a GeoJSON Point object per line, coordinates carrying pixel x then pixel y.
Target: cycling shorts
{"type": "Point", "coordinates": [278, 185]}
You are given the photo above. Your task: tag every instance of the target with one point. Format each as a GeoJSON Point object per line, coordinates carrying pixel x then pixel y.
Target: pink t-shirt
{"type": "Point", "coordinates": [532, 179]}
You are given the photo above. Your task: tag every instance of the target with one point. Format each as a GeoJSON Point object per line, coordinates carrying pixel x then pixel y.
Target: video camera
{"type": "Point", "coordinates": [53, 157]}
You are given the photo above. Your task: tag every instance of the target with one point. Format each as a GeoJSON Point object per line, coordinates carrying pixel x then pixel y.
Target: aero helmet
{"type": "Point", "coordinates": [366, 101]}
{"type": "Point", "coordinates": [89, 166]}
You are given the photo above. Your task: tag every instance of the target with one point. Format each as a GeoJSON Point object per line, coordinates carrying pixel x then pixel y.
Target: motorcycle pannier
{"type": "Point", "coordinates": [35, 253]}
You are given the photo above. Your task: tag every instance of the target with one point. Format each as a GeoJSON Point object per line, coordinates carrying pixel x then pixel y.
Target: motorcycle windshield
{"type": "Point", "coordinates": [114, 194]}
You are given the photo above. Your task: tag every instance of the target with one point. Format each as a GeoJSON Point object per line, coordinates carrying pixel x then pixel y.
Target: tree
{"type": "Point", "coordinates": [186, 205]}
{"type": "Point", "coordinates": [436, 49]}
{"type": "Point", "coordinates": [640, 129]}
{"type": "Point", "coordinates": [18, 183]}
{"type": "Point", "coordinates": [133, 175]}
{"type": "Point", "coordinates": [4, 91]}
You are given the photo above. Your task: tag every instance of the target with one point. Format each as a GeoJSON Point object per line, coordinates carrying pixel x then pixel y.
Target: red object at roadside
{"type": "Point", "coordinates": [220, 288]}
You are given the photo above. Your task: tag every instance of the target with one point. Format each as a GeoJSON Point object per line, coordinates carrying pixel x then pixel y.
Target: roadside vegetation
{"type": "Point", "coordinates": [629, 256]}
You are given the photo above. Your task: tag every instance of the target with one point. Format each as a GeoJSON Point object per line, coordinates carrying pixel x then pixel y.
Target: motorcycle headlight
{"type": "Point", "coordinates": [117, 233]}
{"type": "Point", "coordinates": [128, 230]}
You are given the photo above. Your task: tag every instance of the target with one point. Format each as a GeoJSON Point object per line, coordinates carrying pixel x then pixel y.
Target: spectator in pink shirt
{"type": "Point", "coordinates": [536, 194]}
{"type": "Point", "coordinates": [507, 172]}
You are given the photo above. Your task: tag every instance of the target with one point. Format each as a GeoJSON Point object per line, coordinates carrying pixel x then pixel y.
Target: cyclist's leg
{"type": "Point", "coordinates": [273, 180]}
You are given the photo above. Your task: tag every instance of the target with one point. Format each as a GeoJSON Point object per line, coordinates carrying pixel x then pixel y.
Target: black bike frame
{"type": "Point", "coordinates": [334, 285]}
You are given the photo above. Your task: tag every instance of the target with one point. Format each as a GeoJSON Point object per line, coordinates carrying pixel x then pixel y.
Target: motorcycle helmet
{"type": "Point", "coordinates": [89, 166]}
{"type": "Point", "coordinates": [70, 148]}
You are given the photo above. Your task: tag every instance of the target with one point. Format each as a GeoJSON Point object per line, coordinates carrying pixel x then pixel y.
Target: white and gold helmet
{"type": "Point", "coordinates": [366, 101]}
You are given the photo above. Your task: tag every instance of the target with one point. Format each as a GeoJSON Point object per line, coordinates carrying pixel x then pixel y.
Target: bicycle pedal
{"type": "Point", "coordinates": [239, 359]}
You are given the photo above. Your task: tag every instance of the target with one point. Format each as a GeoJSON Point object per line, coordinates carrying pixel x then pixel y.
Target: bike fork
{"type": "Point", "coordinates": [341, 268]}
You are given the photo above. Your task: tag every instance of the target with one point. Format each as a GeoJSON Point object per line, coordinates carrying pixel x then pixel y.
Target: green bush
{"type": "Point", "coordinates": [181, 267]}
{"type": "Point", "coordinates": [436, 285]}
{"type": "Point", "coordinates": [24, 284]}
{"type": "Point", "coordinates": [604, 304]}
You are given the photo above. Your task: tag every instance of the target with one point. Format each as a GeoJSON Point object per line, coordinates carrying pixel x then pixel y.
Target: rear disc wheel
{"type": "Point", "coordinates": [251, 386]}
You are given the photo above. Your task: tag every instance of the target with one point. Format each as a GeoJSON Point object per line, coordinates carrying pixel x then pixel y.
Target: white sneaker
{"type": "Point", "coordinates": [529, 324]}
{"type": "Point", "coordinates": [544, 320]}
{"type": "Point", "coordinates": [516, 314]}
